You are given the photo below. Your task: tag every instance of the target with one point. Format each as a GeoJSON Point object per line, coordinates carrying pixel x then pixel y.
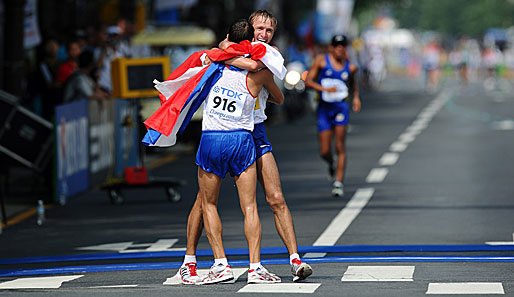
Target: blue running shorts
{"type": "Point", "coordinates": [262, 144]}
{"type": "Point", "coordinates": [331, 114]}
{"type": "Point", "coordinates": [226, 151]}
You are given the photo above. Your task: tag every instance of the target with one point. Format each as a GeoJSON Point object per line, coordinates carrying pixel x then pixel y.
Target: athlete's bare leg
{"type": "Point", "coordinates": [325, 146]}
{"type": "Point", "coordinates": [267, 172]}
{"type": "Point", "coordinates": [246, 186]}
{"type": "Point", "coordinates": [340, 142]}
{"type": "Point", "coordinates": [209, 184]}
{"type": "Point", "coordinates": [194, 226]}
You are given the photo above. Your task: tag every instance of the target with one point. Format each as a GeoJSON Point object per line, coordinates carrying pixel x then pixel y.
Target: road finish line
{"type": "Point", "coordinates": [265, 251]}
{"type": "Point", "coordinates": [238, 263]}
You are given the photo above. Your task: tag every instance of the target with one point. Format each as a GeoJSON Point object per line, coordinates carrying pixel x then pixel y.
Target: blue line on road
{"type": "Point", "coordinates": [236, 263]}
{"type": "Point", "coordinates": [265, 251]}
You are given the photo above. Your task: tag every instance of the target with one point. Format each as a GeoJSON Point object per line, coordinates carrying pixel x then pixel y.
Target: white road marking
{"type": "Point", "coordinates": [342, 221]}
{"type": "Point", "coordinates": [113, 286]}
{"type": "Point", "coordinates": [175, 280]}
{"type": "Point", "coordinates": [297, 288]}
{"type": "Point", "coordinates": [49, 282]}
{"type": "Point", "coordinates": [407, 137]}
{"type": "Point", "coordinates": [465, 288]}
{"type": "Point", "coordinates": [388, 159]}
{"type": "Point", "coordinates": [398, 146]}
{"type": "Point", "coordinates": [377, 175]}
{"type": "Point", "coordinates": [502, 242]}
{"type": "Point", "coordinates": [378, 274]}
{"type": "Point", "coordinates": [128, 246]}
{"type": "Point", "coordinates": [503, 125]}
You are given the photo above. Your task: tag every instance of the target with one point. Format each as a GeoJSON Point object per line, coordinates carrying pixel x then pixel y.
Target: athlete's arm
{"type": "Point", "coordinates": [264, 79]}
{"type": "Point", "coordinates": [245, 63]}
{"type": "Point", "coordinates": [319, 63]}
{"type": "Point", "coordinates": [356, 102]}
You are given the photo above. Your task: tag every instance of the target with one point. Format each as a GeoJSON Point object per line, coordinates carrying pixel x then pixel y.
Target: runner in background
{"type": "Point", "coordinates": [334, 77]}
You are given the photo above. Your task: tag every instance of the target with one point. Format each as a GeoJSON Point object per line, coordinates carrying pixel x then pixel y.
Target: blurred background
{"type": "Point", "coordinates": [56, 143]}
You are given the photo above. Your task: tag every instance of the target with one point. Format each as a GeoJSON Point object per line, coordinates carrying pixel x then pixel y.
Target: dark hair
{"type": "Point", "coordinates": [265, 15]}
{"type": "Point", "coordinates": [240, 30]}
{"type": "Point", "coordinates": [85, 59]}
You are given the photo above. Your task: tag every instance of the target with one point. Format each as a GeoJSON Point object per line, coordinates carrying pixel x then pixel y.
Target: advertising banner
{"type": "Point", "coordinates": [126, 134]}
{"type": "Point", "coordinates": [72, 149]}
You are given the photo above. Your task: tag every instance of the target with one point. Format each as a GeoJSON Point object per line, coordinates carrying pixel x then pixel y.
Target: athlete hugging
{"type": "Point", "coordinates": [234, 140]}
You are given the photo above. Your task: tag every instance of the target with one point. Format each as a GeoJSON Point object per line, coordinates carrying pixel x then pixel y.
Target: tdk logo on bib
{"type": "Point", "coordinates": [228, 92]}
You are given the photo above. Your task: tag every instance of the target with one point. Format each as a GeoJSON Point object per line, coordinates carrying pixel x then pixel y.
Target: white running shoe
{"type": "Point", "coordinates": [187, 274]}
{"type": "Point", "coordinates": [217, 274]}
{"type": "Point", "coordinates": [300, 270]}
{"type": "Point", "coordinates": [262, 276]}
{"type": "Point", "coordinates": [337, 189]}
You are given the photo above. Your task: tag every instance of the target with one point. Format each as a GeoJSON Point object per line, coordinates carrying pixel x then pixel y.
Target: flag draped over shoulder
{"type": "Point", "coordinates": [186, 88]}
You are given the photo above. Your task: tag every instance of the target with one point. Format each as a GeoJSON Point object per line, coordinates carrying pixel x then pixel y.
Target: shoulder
{"type": "Point", "coordinates": [353, 67]}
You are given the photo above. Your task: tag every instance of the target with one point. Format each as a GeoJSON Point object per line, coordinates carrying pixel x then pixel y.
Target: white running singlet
{"type": "Point", "coordinates": [229, 105]}
{"type": "Point", "coordinates": [260, 106]}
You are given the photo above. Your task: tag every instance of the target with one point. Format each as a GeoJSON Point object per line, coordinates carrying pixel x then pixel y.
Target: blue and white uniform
{"type": "Point", "coordinates": [262, 144]}
{"type": "Point", "coordinates": [332, 107]}
{"type": "Point", "coordinates": [227, 144]}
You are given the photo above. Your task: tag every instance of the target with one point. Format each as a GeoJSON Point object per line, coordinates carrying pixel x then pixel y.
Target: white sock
{"type": "Point", "coordinates": [222, 261]}
{"type": "Point", "coordinates": [338, 184]}
{"type": "Point", "coordinates": [293, 256]}
{"type": "Point", "coordinates": [255, 265]}
{"type": "Point", "coordinates": [189, 259]}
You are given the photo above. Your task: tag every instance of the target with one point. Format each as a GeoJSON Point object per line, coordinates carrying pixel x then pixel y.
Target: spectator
{"type": "Point", "coordinates": [46, 84]}
{"type": "Point", "coordinates": [66, 69]}
{"type": "Point", "coordinates": [80, 84]}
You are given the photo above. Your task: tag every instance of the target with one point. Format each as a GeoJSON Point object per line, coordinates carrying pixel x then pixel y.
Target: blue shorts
{"type": "Point", "coordinates": [331, 114]}
{"type": "Point", "coordinates": [226, 151]}
{"type": "Point", "coordinates": [262, 144]}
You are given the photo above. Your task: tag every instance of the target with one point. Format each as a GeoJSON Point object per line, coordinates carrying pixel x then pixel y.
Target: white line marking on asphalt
{"type": "Point", "coordinates": [407, 137]}
{"type": "Point", "coordinates": [377, 175]}
{"type": "Point", "coordinates": [298, 288]}
{"type": "Point", "coordinates": [398, 146]}
{"type": "Point", "coordinates": [114, 286]}
{"type": "Point", "coordinates": [502, 242]}
{"type": "Point", "coordinates": [49, 282]}
{"type": "Point", "coordinates": [465, 288]}
{"type": "Point", "coordinates": [388, 159]}
{"type": "Point", "coordinates": [503, 125]}
{"type": "Point", "coordinates": [175, 280]}
{"type": "Point", "coordinates": [378, 274]}
{"type": "Point", "coordinates": [342, 221]}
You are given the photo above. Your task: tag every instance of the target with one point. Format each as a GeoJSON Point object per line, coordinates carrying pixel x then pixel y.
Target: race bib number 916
{"type": "Point", "coordinates": [224, 107]}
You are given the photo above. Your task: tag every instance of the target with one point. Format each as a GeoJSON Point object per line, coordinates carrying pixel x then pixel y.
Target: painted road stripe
{"type": "Point", "coordinates": [113, 287]}
{"type": "Point", "coordinates": [388, 159]}
{"type": "Point", "coordinates": [49, 282]}
{"type": "Point", "coordinates": [489, 246]}
{"type": "Point", "coordinates": [377, 175]}
{"type": "Point", "coordinates": [175, 280]}
{"type": "Point", "coordinates": [465, 288]}
{"type": "Point", "coordinates": [342, 221]}
{"type": "Point", "coordinates": [378, 274]}
{"type": "Point", "coordinates": [298, 288]}
{"type": "Point", "coordinates": [398, 146]}
{"type": "Point", "coordinates": [239, 263]}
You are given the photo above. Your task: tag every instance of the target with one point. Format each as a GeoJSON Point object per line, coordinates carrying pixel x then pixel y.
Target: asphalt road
{"type": "Point", "coordinates": [428, 209]}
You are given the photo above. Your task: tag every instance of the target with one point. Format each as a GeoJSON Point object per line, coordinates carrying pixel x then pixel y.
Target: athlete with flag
{"type": "Point", "coordinates": [264, 24]}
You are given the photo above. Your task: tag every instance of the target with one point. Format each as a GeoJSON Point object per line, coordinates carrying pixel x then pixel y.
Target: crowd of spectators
{"type": "Point", "coordinates": [76, 68]}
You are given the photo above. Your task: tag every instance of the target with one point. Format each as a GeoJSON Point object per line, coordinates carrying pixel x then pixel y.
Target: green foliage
{"type": "Point", "coordinates": [454, 17]}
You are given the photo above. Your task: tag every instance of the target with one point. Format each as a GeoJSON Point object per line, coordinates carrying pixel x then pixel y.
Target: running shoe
{"type": "Point", "coordinates": [187, 274]}
{"type": "Point", "coordinates": [337, 189]}
{"type": "Point", "coordinates": [217, 274]}
{"type": "Point", "coordinates": [300, 270]}
{"type": "Point", "coordinates": [262, 276]}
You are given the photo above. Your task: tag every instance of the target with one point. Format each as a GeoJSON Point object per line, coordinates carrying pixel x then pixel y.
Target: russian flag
{"type": "Point", "coordinates": [187, 87]}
